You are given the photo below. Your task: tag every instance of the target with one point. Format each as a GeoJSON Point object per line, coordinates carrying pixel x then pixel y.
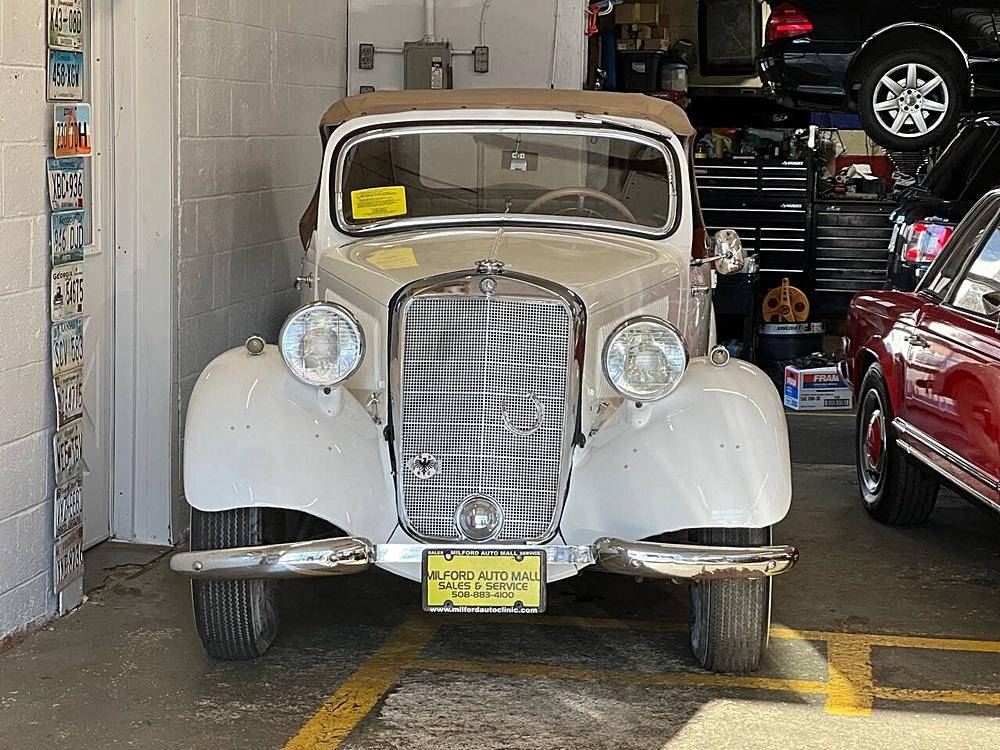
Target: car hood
{"type": "Point", "coordinates": [601, 268]}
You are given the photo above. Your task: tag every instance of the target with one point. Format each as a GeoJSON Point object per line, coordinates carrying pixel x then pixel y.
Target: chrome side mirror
{"type": "Point", "coordinates": [991, 304]}
{"type": "Point", "coordinates": [729, 256]}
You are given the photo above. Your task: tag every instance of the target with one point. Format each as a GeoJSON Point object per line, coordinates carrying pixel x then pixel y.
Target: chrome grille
{"type": "Point", "coordinates": [466, 362]}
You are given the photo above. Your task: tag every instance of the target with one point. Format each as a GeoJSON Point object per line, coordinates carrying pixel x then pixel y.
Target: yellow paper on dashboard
{"type": "Point", "coordinates": [389, 259]}
{"type": "Point", "coordinates": [379, 203]}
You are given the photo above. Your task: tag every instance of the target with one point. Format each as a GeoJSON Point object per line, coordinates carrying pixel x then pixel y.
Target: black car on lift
{"type": "Point", "coordinates": [927, 214]}
{"type": "Point", "coordinates": [909, 69]}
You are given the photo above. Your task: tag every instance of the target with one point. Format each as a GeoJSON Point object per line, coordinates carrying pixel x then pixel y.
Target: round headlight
{"type": "Point", "coordinates": [322, 344]}
{"type": "Point", "coordinates": [644, 359]}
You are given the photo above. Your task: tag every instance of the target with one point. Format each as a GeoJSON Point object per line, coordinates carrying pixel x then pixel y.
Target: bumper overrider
{"type": "Point", "coordinates": [340, 556]}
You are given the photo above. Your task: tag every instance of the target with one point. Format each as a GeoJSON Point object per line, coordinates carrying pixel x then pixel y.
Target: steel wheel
{"type": "Point", "coordinates": [911, 100]}
{"type": "Point", "coordinates": [872, 441]}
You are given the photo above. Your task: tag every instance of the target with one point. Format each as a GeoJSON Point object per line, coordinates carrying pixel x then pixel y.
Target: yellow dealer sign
{"type": "Point", "coordinates": [484, 580]}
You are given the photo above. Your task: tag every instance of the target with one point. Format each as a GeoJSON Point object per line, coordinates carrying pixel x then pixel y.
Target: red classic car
{"type": "Point", "coordinates": [926, 373]}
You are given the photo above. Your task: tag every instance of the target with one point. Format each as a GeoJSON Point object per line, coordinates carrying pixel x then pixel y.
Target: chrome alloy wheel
{"type": "Point", "coordinates": [911, 100]}
{"type": "Point", "coordinates": [872, 441]}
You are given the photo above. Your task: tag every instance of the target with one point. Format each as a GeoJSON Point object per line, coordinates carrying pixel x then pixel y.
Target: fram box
{"type": "Point", "coordinates": [815, 389]}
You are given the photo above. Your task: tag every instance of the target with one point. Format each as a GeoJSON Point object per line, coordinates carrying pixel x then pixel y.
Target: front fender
{"type": "Point", "coordinates": [714, 453]}
{"type": "Point", "coordinates": [256, 436]}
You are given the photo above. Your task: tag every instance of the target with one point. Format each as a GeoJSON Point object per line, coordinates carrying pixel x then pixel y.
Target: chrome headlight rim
{"type": "Point", "coordinates": [635, 321]}
{"type": "Point", "coordinates": [351, 319]}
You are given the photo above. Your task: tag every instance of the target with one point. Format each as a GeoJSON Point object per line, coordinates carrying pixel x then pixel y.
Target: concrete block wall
{"type": "Point", "coordinates": [254, 78]}
{"type": "Point", "coordinates": [26, 402]}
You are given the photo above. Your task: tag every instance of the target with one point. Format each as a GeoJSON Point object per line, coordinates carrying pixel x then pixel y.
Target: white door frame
{"type": "Point", "coordinates": [145, 423]}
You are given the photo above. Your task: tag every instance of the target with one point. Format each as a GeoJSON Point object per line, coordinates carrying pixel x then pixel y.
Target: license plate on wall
{"type": "Point", "coordinates": [65, 76]}
{"type": "Point", "coordinates": [67, 291]}
{"type": "Point", "coordinates": [484, 580]}
{"type": "Point", "coordinates": [69, 396]}
{"type": "Point", "coordinates": [65, 183]}
{"type": "Point", "coordinates": [67, 559]}
{"type": "Point", "coordinates": [67, 346]}
{"type": "Point", "coordinates": [67, 240]}
{"type": "Point", "coordinates": [68, 452]}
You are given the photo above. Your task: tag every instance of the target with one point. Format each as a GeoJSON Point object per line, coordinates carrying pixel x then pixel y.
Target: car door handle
{"type": "Point", "coordinates": [917, 341]}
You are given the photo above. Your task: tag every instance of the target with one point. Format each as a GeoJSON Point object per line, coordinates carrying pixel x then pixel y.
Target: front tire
{"type": "Point", "coordinates": [237, 620]}
{"type": "Point", "coordinates": [910, 100]}
{"type": "Point", "coordinates": [730, 618]}
{"type": "Point", "coordinates": [896, 489]}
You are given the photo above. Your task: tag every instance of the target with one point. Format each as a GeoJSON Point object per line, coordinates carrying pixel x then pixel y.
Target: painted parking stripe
{"type": "Point", "coordinates": [364, 689]}
{"type": "Point", "coordinates": [850, 689]}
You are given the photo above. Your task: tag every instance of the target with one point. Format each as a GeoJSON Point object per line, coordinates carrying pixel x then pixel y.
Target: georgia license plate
{"type": "Point", "coordinates": [484, 580]}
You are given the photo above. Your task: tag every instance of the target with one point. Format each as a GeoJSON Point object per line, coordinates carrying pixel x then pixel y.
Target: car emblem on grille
{"type": "Point", "coordinates": [522, 427]}
{"type": "Point", "coordinates": [489, 265]}
{"type": "Point", "coordinates": [424, 466]}
{"type": "Point", "coordinates": [488, 285]}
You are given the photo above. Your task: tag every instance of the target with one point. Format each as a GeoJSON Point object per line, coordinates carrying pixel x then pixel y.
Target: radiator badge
{"type": "Point", "coordinates": [424, 466]}
{"type": "Point", "coordinates": [524, 425]}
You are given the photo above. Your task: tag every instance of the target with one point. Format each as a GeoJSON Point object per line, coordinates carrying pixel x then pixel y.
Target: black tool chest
{"type": "Point", "coordinates": [768, 203]}
{"type": "Point", "coordinates": [828, 249]}
{"type": "Point", "coordinates": [851, 250]}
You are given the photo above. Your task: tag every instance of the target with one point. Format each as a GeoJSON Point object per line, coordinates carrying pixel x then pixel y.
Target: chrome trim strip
{"type": "Point", "coordinates": [509, 285]}
{"type": "Point", "coordinates": [964, 464]}
{"type": "Point", "coordinates": [346, 555]}
{"type": "Point", "coordinates": [466, 220]}
{"type": "Point", "coordinates": [958, 481]}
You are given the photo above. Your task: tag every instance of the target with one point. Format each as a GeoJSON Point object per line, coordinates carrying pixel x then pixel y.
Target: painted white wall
{"type": "Point", "coordinates": [26, 401]}
{"type": "Point", "coordinates": [254, 77]}
{"type": "Point", "coordinates": [522, 36]}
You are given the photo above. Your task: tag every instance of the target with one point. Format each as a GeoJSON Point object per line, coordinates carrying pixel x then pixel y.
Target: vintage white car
{"type": "Point", "coordinates": [503, 374]}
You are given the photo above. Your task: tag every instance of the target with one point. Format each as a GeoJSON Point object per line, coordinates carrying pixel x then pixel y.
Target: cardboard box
{"type": "Point", "coordinates": [639, 31]}
{"type": "Point", "coordinates": [660, 44]}
{"type": "Point", "coordinates": [644, 13]}
{"type": "Point", "coordinates": [819, 388]}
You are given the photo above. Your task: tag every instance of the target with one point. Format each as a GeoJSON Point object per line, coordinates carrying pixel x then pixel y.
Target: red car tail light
{"type": "Point", "coordinates": [925, 241]}
{"type": "Point", "coordinates": [787, 22]}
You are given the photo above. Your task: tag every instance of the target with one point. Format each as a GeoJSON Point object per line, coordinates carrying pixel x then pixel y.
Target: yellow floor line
{"type": "Point", "coordinates": [364, 689]}
{"type": "Point", "coordinates": [850, 668]}
{"type": "Point", "coordinates": [804, 687]}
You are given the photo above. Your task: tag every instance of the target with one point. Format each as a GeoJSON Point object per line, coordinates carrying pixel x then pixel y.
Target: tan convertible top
{"type": "Point", "coordinates": [638, 106]}
{"type": "Point", "coordinates": [634, 106]}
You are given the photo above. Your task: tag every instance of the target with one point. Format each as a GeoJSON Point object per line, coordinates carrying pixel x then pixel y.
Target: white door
{"type": "Point", "coordinates": [98, 269]}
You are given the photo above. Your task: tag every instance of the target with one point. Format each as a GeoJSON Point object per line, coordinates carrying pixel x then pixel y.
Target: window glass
{"type": "Point", "coordinates": [586, 177]}
{"type": "Point", "coordinates": [982, 277]}
{"type": "Point", "coordinates": [967, 237]}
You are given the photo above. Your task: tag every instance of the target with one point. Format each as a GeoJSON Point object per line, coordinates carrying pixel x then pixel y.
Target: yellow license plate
{"type": "Point", "coordinates": [484, 580]}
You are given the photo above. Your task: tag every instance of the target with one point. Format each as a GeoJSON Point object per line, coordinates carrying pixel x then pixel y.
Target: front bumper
{"type": "Point", "coordinates": [341, 556]}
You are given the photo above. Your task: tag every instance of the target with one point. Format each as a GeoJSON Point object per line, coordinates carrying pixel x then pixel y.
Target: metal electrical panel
{"type": "Point", "coordinates": [426, 65]}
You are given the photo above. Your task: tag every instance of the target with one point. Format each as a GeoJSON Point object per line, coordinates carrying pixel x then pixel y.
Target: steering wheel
{"type": "Point", "coordinates": [582, 193]}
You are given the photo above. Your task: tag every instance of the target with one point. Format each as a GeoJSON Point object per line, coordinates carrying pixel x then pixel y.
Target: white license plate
{"type": "Point", "coordinates": [67, 237]}
{"type": "Point", "coordinates": [65, 76]}
{"type": "Point", "coordinates": [68, 512]}
{"type": "Point", "coordinates": [68, 452]}
{"type": "Point", "coordinates": [65, 183]}
{"type": "Point", "coordinates": [69, 396]}
{"type": "Point", "coordinates": [66, 24]}
{"type": "Point", "coordinates": [67, 346]}
{"type": "Point", "coordinates": [67, 291]}
{"type": "Point", "coordinates": [67, 559]}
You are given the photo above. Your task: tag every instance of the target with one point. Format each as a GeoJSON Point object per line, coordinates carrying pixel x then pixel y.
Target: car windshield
{"type": "Point", "coordinates": [483, 174]}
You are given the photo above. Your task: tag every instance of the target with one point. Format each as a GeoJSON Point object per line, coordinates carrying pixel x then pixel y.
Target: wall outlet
{"type": "Point", "coordinates": [481, 59]}
{"type": "Point", "coordinates": [366, 56]}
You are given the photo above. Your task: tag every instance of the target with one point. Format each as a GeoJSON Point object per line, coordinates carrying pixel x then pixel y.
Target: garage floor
{"type": "Point", "coordinates": [882, 638]}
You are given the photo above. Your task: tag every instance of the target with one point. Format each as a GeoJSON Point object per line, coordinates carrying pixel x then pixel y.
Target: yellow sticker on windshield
{"type": "Point", "coordinates": [392, 258]}
{"type": "Point", "coordinates": [378, 203]}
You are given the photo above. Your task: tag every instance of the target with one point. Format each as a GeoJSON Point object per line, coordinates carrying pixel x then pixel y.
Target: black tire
{"type": "Point", "coordinates": [940, 124]}
{"type": "Point", "coordinates": [729, 619]}
{"type": "Point", "coordinates": [896, 488]}
{"type": "Point", "coordinates": [237, 620]}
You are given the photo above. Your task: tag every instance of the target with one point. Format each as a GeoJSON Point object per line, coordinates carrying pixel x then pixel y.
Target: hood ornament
{"type": "Point", "coordinates": [489, 265]}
